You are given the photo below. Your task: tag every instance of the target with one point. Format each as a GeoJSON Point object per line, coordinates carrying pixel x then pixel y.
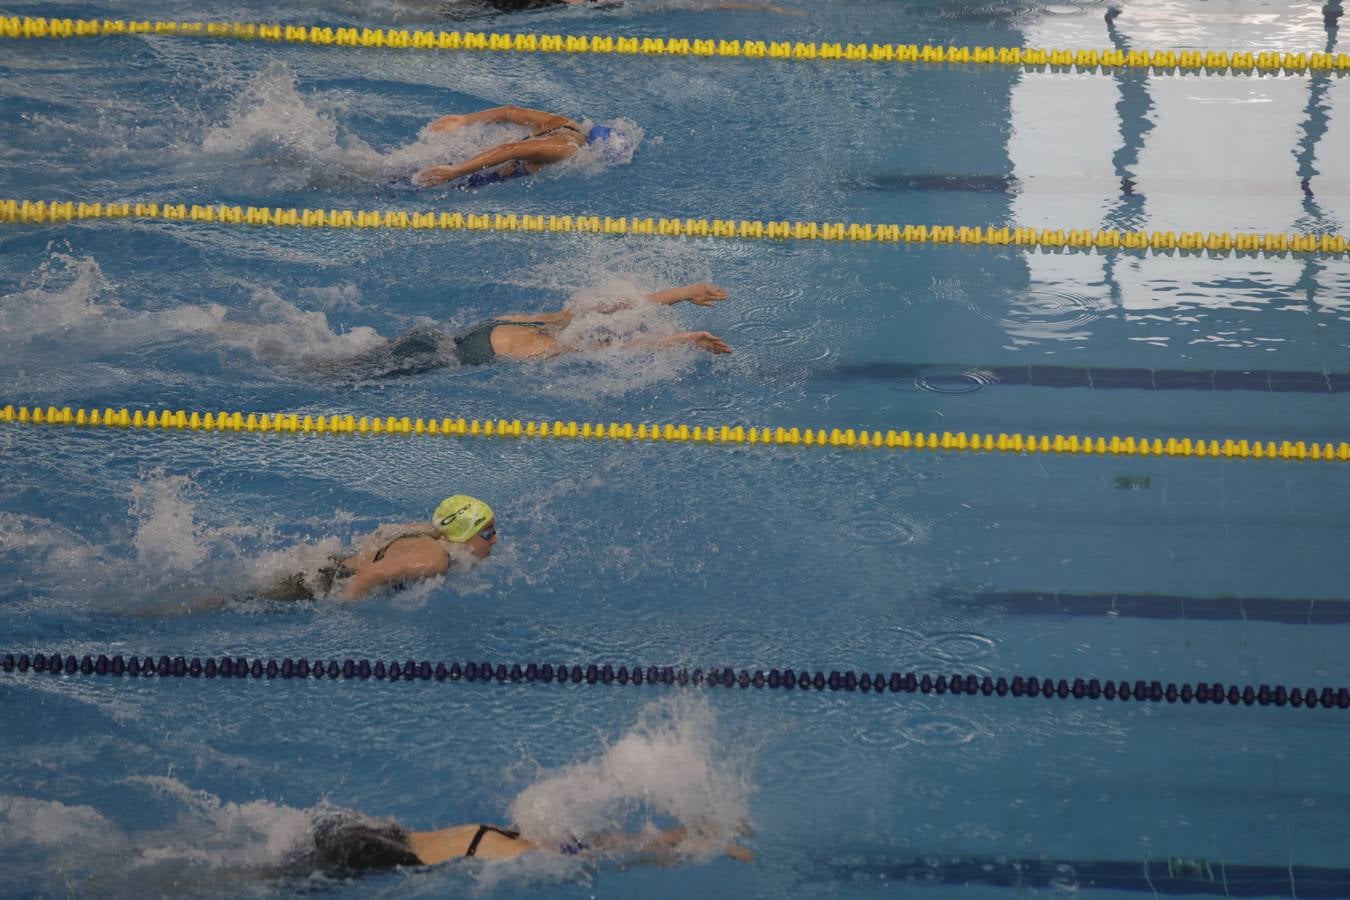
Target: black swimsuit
{"type": "Point", "coordinates": [484, 829]}
{"type": "Point", "coordinates": [348, 844]}
{"type": "Point", "coordinates": [297, 589]}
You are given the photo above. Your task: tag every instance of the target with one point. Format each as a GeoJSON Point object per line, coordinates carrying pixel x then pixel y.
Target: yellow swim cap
{"type": "Point", "coordinates": [460, 517]}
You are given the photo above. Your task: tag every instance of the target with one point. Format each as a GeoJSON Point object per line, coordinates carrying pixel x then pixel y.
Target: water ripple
{"type": "Point", "coordinates": [963, 381]}
{"type": "Point", "coordinates": [876, 531]}
{"type": "Point", "coordinates": [1043, 314]}
{"type": "Point", "coordinates": [940, 730]}
{"type": "Point", "coordinates": [775, 340]}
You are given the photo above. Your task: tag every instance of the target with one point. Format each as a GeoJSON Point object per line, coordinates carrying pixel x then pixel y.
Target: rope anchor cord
{"type": "Point", "coordinates": [1154, 691]}
{"type": "Point", "coordinates": [1209, 62]}
{"type": "Point", "coordinates": [43, 212]}
{"type": "Point", "coordinates": [177, 422]}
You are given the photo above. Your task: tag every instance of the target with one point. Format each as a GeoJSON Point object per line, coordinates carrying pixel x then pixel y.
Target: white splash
{"type": "Point", "coordinates": [668, 769]}
{"type": "Point", "coordinates": [27, 821]}
{"type": "Point", "coordinates": [71, 300]}
{"type": "Point", "coordinates": [218, 833]}
{"type": "Point", "coordinates": [280, 333]}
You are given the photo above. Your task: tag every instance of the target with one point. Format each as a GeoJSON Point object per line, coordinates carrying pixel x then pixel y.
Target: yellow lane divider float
{"type": "Point", "coordinates": [42, 212]}
{"type": "Point", "coordinates": [1160, 61]}
{"type": "Point", "coordinates": [179, 421]}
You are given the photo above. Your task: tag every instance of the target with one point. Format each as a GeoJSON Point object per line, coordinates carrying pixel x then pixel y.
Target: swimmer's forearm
{"type": "Point", "coordinates": [516, 115]}
{"type": "Point", "coordinates": [356, 587]}
{"type": "Point", "coordinates": [670, 295]}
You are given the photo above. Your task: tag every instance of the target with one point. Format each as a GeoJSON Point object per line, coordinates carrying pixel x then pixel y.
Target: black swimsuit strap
{"type": "Point", "coordinates": [484, 829]}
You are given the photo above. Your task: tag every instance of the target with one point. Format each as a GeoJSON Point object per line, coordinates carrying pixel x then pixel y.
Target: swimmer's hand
{"type": "Point", "coordinates": [448, 123]}
{"type": "Point", "coordinates": [703, 340]}
{"type": "Point", "coordinates": [739, 853]}
{"type": "Point", "coordinates": [702, 294]}
{"type": "Point", "coordinates": [432, 176]}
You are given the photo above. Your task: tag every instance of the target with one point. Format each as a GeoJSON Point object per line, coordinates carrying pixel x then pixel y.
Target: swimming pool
{"type": "Point", "coordinates": [655, 554]}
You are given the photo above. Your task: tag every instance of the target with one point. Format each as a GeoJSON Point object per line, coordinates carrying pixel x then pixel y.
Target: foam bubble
{"type": "Point", "coordinates": [26, 821]}
{"type": "Point", "coordinates": [293, 141]}
{"type": "Point", "coordinates": [214, 832]}
{"type": "Point", "coordinates": [43, 547]}
{"type": "Point", "coordinates": [668, 768]}
{"type": "Point", "coordinates": [71, 300]}
{"type": "Point", "coordinates": [280, 333]}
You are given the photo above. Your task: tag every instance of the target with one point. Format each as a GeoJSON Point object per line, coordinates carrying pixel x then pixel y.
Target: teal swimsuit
{"type": "Point", "coordinates": [473, 345]}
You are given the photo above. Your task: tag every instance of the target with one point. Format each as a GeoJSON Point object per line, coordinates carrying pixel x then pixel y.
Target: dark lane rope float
{"type": "Point", "coordinates": [1216, 693]}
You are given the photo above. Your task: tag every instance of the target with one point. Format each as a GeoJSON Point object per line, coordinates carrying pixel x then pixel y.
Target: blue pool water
{"type": "Point", "coordinates": [1116, 568]}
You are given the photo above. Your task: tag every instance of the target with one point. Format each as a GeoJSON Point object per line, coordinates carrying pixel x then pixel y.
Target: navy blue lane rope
{"type": "Point", "coordinates": [1141, 691]}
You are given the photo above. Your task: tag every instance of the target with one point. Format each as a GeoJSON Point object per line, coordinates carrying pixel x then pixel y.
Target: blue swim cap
{"type": "Point", "coordinates": [615, 143]}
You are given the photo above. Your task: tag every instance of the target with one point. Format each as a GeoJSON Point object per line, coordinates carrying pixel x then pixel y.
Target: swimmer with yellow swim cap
{"type": "Point", "coordinates": [462, 528]}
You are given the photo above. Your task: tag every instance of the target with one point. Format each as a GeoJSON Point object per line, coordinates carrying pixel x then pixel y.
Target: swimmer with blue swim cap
{"type": "Point", "coordinates": [462, 529]}
{"type": "Point", "coordinates": [552, 139]}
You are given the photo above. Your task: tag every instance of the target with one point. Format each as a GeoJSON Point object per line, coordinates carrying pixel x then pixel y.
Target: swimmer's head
{"type": "Point", "coordinates": [467, 520]}
{"type": "Point", "coordinates": [616, 144]}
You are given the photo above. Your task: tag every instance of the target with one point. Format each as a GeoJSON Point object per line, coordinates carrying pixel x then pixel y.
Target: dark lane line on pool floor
{"type": "Point", "coordinates": [956, 378]}
{"type": "Point", "coordinates": [1008, 185]}
{"type": "Point", "coordinates": [1172, 876]}
{"type": "Point", "coordinates": [1291, 611]}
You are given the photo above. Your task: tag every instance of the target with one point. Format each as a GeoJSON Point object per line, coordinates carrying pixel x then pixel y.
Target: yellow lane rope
{"type": "Point", "coordinates": [1159, 61]}
{"type": "Point", "coordinates": [42, 212]}
{"type": "Point", "coordinates": [179, 421]}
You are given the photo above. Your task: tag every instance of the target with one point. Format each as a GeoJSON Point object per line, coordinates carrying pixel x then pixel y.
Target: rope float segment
{"type": "Point", "coordinates": [179, 421]}
{"type": "Point", "coordinates": [1210, 62]}
{"type": "Point", "coordinates": [42, 212]}
{"type": "Point", "coordinates": [787, 679]}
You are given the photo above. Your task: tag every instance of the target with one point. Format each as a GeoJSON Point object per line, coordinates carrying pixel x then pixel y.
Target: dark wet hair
{"type": "Point", "coordinates": [350, 845]}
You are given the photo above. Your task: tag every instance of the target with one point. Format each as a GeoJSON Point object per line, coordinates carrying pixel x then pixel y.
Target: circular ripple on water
{"type": "Point", "coordinates": [785, 343]}
{"type": "Point", "coordinates": [1042, 313]}
{"type": "Point", "coordinates": [965, 381]}
{"type": "Point", "coordinates": [877, 531]}
{"type": "Point", "coordinates": [940, 730]}
{"type": "Point", "coordinates": [1054, 309]}
{"type": "Point", "coordinates": [958, 646]}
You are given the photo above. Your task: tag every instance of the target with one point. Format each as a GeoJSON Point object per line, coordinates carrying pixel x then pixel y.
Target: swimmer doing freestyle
{"type": "Point", "coordinates": [346, 845]}
{"type": "Point", "coordinates": [525, 336]}
{"type": "Point", "coordinates": [552, 139]}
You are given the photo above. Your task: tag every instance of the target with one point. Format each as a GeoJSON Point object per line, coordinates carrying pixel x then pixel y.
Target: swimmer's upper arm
{"type": "Point", "coordinates": [406, 558]}
{"type": "Point", "coordinates": [519, 342]}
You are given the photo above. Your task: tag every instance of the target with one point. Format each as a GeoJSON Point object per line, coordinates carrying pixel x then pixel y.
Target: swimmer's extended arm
{"type": "Point", "coordinates": [701, 294]}
{"type": "Point", "coordinates": [406, 559]}
{"type": "Point", "coordinates": [515, 115]}
{"type": "Point", "coordinates": [703, 340]}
